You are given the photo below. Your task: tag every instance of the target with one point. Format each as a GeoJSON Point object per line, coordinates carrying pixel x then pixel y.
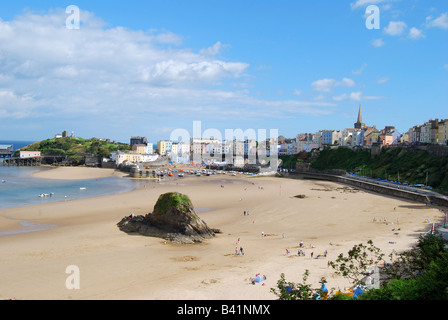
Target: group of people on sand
{"type": "Point", "coordinates": [241, 250]}
{"type": "Point", "coordinates": [301, 253]}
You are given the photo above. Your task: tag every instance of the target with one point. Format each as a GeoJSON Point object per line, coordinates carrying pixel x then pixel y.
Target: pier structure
{"type": "Point", "coordinates": [22, 162]}
{"type": "Point", "coordinates": [25, 158]}
{"type": "Point", "coordinates": [6, 152]}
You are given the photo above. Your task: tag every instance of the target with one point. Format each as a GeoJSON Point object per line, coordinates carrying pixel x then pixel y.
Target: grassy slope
{"type": "Point", "coordinates": [72, 146]}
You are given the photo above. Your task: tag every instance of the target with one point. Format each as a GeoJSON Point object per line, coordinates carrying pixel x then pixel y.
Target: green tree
{"type": "Point", "coordinates": [354, 265]}
{"type": "Point", "coordinates": [287, 290]}
{"type": "Point", "coordinates": [418, 274]}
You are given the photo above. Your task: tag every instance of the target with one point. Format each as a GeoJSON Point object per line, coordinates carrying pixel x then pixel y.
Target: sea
{"type": "Point", "coordinates": [18, 186]}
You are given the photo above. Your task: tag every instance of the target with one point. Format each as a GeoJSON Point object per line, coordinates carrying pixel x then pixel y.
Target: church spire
{"type": "Point", "coordinates": [359, 124]}
{"type": "Point", "coordinates": [359, 115]}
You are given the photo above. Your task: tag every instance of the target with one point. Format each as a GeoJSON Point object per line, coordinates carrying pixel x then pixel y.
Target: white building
{"type": "Point", "coordinates": [291, 148]}
{"type": "Point", "coordinates": [345, 138]}
{"type": "Point", "coordinates": [330, 136]}
{"type": "Point", "coordinates": [358, 138]}
{"type": "Point", "coordinates": [120, 157]}
{"type": "Point", "coordinates": [149, 157]}
{"type": "Point", "coordinates": [29, 154]}
{"type": "Point", "coordinates": [183, 148]}
{"type": "Point", "coordinates": [307, 146]}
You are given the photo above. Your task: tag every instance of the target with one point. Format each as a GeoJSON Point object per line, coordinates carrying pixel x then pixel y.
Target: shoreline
{"type": "Point", "coordinates": [67, 181]}
{"type": "Point", "coordinates": [77, 173]}
{"type": "Point", "coordinates": [115, 265]}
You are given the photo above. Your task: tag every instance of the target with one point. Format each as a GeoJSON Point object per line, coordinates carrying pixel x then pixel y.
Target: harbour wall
{"type": "Point", "coordinates": [392, 190]}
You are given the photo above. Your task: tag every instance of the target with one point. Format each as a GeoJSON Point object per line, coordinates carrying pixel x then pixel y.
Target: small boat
{"type": "Point", "coordinates": [181, 175]}
{"type": "Point", "coordinates": [82, 188]}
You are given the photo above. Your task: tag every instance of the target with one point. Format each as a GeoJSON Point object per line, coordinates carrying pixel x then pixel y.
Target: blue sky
{"type": "Point", "coordinates": [149, 67]}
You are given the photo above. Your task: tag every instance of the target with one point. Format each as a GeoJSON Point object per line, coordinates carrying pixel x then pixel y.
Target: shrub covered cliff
{"type": "Point", "coordinates": [398, 164]}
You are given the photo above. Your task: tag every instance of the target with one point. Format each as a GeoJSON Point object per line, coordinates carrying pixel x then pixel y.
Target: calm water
{"type": "Point", "coordinates": [16, 144]}
{"type": "Point", "coordinates": [19, 188]}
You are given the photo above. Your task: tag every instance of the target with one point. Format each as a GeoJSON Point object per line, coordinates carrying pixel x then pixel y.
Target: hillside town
{"type": "Point", "coordinates": [363, 136]}
{"type": "Point", "coordinates": [251, 153]}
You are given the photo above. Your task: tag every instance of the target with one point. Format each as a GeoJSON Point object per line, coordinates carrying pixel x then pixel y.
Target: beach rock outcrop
{"type": "Point", "coordinates": [173, 219]}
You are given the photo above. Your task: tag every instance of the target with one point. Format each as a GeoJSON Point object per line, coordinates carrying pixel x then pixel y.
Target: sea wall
{"type": "Point", "coordinates": [392, 190]}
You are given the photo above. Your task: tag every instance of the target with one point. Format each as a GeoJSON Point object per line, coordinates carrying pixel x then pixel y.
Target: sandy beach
{"type": "Point", "coordinates": [115, 265]}
{"type": "Point", "coordinates": [76, 173]}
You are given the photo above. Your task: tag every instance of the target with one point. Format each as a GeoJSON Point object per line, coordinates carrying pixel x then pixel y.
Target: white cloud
{"type": "Point", "coordinates": [364, 3]}
{"type": "Point", "coordinates": [415, 33]}
{"type": "Point", "coordinates": [167, 37]}
{"type": "Point", "coordinates": [346, 82]}
{"type": "Point", "coordinates": [13, 105]}
{"type": "Point", "coordinates": [395, 28]}
{"type": "Point", "coordinates": [355, 96]}
{"type": "Point", "coordinates": [383, 80]}
{"type": "Point", "coordinates": [96, 69]}
{"type": "Point", "coordinates": [116, 77]}
{"type": "Point", "coordinates": [439, 22]}
{"type": "Point", "coordinates": [320, 97]}
{"type": "Point", "coordinates": [377, 43]}
{"type": "Point", "coordinates": [297, 92]}
{"type": "Point", "coordinates": [326, 85]}
{"type": "Point", "coordinates": [360, 70]}
{"type": "Point", "coordinates": [213, 50]}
